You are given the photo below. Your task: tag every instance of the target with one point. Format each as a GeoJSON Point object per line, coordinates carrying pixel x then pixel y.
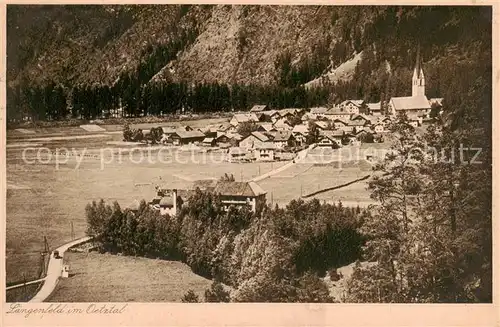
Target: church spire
{"type": "Point", "coordinates": [418, 80]}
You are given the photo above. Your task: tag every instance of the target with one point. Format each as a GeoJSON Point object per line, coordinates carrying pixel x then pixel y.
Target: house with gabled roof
{"type": "Point", "coordinates": [240, 194]}
{"type": "Point", "coordinates": [266, 128]}
{"type": "Point", "coordinates": [282, 125]}
{"type": "Point", "coordinates": [243, 118]}
{"type": "Point", "coordinates": [300, 132]}
{"type": "Point", "coordinates": [255, 138]}
{"type": "Point", "coordinates": [185, 137]}
{"type": "Point", "coordinates": [352, 106]}
{"type": "Point", "coordinates": [283, 139]}
{"type": "Point", "coordinates": [335, 113]}
{"type": "Point", "coordinates": [231, 193]}
{"type": "Point", "coordinates": [331, 139]}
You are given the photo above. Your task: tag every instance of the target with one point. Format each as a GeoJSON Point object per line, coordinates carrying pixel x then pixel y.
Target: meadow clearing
{"type": "Point", "coordinates": [98, 277]}
{"type": "Point", "coordinates": [48, 199]}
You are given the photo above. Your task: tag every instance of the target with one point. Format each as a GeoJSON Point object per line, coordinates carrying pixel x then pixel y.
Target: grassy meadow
{"type": "Point", "coordinates": [45, 200]}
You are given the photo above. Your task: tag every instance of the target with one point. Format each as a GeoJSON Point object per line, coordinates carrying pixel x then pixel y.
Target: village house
{"type": "Point", "coordinates": [282, 124]}
{"type": "Point", "coordinates": [264, 152]}
{"type": "Point", "coordinates": [375, 108]}
{"type": "Point", "coordinates": [237, 154]}
{"type": "Point", "coordinates": [300, 133]}
{"type": "Point", "coordinates": [170, 201]}
{"type": "Point", "coordinates": [309, 116]}
{"type": "Point", "coordinates": [351, 106]}
{"type": "Point", "coordinates": [240, 194]}
{"type": "Point", "coordinates": [284, 139]}
{"type": "Point", "coordinates": [331, 139]}
{"type": "Point", "coordinates": [243, 118]}
{"type": "Point", "coordinates": [339, 123]}
{"type": "Point", "coordinates": [358, 123]}
{"type": "Point", "coordinates": [181, 137]}
{"type": "Point", "coordinates": [364, 134]}
{"type": "Point", "coordinates": [318, 110]}
{"type": "Point", "coordinates": [255, 138]}
{"type": "Point", "coordinates": [333, 114]}
{"type": "Point", "coordinates": [208, 141]}
{"type": "Point", "coordinates": [378, 128]}
{"type": "Point", "coordinates": [322, 125]}
{"type": "Point", "coordinates": [266, 128]}
{"type": "Point", "coordinates": [270, 115]}
{"type": "Point", "coordinates": [259, 108]}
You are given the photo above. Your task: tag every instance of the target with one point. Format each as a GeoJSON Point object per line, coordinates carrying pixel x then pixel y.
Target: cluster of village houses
{"type": "Point", "coordinates": [352, 121]}
{"type": "Point", "coordinates": [277, 131]}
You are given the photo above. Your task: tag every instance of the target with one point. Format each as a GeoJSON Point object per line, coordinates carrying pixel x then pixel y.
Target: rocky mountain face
{"type": "Point", "coordinates": [229, 43]}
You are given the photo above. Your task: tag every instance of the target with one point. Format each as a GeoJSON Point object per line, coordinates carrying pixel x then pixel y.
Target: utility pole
{"type": "Point", "coordinates": [72, 231]}
{"type": "Point", "coordinates": [241, 174]}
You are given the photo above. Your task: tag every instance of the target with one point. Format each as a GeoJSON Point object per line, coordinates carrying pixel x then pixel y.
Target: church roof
{"type": "Point", "coordinates": [408, 103]}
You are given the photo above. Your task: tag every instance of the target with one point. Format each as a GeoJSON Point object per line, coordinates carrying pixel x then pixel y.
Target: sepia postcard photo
{"type": "Point", "coordinates": [247, 153]}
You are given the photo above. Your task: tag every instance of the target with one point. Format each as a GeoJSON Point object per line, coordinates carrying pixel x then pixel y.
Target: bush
{"type": "Point", "coordinates": [190, 297]}
{"type": "Point", "coordinates": [216, 293]}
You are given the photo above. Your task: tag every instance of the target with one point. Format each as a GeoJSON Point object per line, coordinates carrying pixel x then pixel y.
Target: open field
{"type": "Point", "coordinates": [44, 199]}
{"type": "Point", "coordinates": [306, 178]}
{"type": "Point", "coordinates": [110, 278]}
{"type": "Point", "coordinates": [76, 130]}
{"type": "Point", "coordinates": [22, 294]}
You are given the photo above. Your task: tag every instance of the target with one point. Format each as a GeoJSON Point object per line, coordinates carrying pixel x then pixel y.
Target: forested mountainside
{"type": "Point", "coordinates": [208, 57]}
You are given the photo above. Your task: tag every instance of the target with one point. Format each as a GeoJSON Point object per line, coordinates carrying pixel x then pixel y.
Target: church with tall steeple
{"type": "Point", "coordinates": [417, 105]}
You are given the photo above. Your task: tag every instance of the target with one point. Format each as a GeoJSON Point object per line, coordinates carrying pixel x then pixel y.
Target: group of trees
{"type": "Point", "coordinates": [431, 234]}
{"type": "Point", "coordinates": [274, 255]}
{"type": "Point", "coordinates": [130, 98]}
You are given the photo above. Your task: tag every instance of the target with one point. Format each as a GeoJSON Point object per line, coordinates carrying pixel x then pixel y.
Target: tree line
{"type": "Point", "coordinates": [274, 255]}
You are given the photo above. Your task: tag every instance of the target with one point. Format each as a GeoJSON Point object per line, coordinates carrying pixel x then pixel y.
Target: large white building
{"type": "Point", "coordinates": [417, 105]}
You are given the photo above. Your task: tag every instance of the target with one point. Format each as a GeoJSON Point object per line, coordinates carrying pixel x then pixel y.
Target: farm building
{"type": "Point", "coordinates": [253, 139]}
{"type": "Point", "coordinates": [181, 137]}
